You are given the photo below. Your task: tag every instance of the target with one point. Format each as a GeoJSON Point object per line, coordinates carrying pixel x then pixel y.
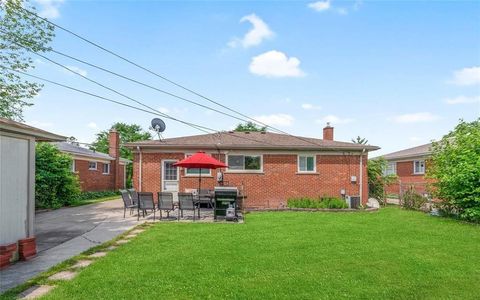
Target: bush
{"type": "Point", "coordinates": [455, 170]}
{"type": "Point", "coordinates": [411, 199]}
{"type": "Point", "coordinates": [322, 202]}
{"type": "Point", "coordinates": [55, 184]}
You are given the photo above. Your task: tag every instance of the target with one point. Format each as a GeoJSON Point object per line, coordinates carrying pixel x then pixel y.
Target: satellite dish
{"type": "Point", "coordinates": [158, 125]}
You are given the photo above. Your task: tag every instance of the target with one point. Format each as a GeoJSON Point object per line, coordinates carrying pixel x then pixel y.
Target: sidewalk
{"type": "Point", "coordinates": [67, 232]}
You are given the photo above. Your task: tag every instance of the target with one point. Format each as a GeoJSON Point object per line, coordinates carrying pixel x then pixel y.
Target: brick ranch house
{"type": "Point", "coordinates": [268, 167]}
{"type": "Point", "coordinates": [410, 166]}
{"type": "Point", "coordinates": [97, 171]}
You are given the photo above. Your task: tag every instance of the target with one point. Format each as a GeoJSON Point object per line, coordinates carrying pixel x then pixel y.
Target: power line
{"type": "Point", "coordinates": [163, 77]}
{"type": "Point", "coordinates": [196, 126]}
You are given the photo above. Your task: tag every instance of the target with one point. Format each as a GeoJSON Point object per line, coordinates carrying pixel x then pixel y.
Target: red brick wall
{"type": "Point", "coordinates": [406, 177]}
{"type": "Point", "coordinates": [94, 180]}
{"type": "Point", "coordinates": [278, 182]}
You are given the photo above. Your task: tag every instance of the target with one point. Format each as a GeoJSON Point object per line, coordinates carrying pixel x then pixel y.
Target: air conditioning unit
{"type": "Point", "coordinates": [353, 201]}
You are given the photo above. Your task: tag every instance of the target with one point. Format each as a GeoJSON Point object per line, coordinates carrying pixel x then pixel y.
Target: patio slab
{"type": "Point", "coordinates": [36, 291]}
{"type": "Point", "coordinates": [82, 264]}
{"type": "Point", "coordinates": [98, 254]}
{"type": "Point", "coordinates": [64, 275]}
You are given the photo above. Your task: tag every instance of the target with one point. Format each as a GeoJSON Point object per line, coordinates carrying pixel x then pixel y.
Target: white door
{"type": "Point", "coordinates": [169, 176]}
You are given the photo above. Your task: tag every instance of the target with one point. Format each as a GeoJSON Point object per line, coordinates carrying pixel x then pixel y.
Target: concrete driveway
{"type": "Point", "coordinates": [67, 232]}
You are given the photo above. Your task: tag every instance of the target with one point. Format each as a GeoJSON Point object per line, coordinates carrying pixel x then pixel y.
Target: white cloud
{"type": "Point", "coordinates": [92, 125]}
{"type": "Point", "coordinates": [415, 118]}
{"type": "Point", "coordinates": [77, 70]}
{"type": "Point", "coordinates": [463, 100]}
{"type": "Point", "coordinates": [163, 110]}
{"type": "Point", "coordinates": [275, 64]}
{"type": "Point", "coordinates": [308, 106]}
{"type": "Point", "coordinates": [320, 5]}
{"type": "Point", "coordinates": [276, 119]}
{"type": "Point", "coordinates": [255, 36]}
{"type": "Point", "coordinates": [466, 76]}
{"type": "Point", "coordinates": [334, 120]}
{"type": "Point", "coordinates": [49, 8]}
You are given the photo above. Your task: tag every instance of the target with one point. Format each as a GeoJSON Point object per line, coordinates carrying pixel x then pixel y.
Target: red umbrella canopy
{"type": "Point", "coordinates": [200, 160]}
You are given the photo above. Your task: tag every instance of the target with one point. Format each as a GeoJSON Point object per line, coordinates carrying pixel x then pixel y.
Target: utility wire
{"type": "Point", "coordinates": [196, 126]}
{"type": "Point", "coordinates": [162, 77]}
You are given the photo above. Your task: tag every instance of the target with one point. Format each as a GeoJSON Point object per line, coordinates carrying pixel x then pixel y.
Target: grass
{"type": "Point", "coordinates": [389, 254]}
{"type": "Point", "coordinates": [95, 200]}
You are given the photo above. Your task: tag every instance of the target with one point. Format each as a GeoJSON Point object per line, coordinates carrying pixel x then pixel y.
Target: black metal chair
{"type": "Point", "coordinates": [134, 196]}
{"type": "Point", "coordinates": [165, 202]}
{"type": "Point", "coordinates": [205, 196]}
{"type": "Point", "coordinates": [145, 201]}
{"type": "Point", "coordinates": [127, 202]}
{"type": "Point", "coordinates": [185, 202]}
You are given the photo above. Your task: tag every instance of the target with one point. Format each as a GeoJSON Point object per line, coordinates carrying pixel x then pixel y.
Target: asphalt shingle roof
{"type": "Point", "coordinates": [418, 151]}
{"type": "Point", "coordinates": [75, 149]}
{"type": "Point", "coordinates": [250, 140]}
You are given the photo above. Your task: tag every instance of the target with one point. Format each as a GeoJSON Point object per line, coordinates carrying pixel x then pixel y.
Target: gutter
{"type": "Point", "coordinates": [361, 176]}
{"type": "Point", "coordinates": [139, 169]}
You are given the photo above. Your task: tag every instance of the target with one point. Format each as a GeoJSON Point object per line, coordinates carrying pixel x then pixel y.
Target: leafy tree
{"type": "Point", "coordinates": [455, 169]}
{"type": "Point", "coordinates": [360, 140]}
{"type": "Point", "coordinates": [55, 183]}
{"type": "Point", "coordinates": [34, 34]}
{"type": "Point", "coordinates": [377, 180]}
{"type": "Point", "coordinates": [128, 133]}
{"type": "Point", "coordinates": [250, 126]}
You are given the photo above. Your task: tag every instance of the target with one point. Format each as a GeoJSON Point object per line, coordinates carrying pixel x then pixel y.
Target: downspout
{"type": "Point", "coordinates": [139, 169]}
{"type": "Point", "coordinates": [361, 176]}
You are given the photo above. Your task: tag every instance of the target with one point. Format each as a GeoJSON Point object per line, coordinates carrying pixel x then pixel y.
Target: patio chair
{"type": "Point", "coordinates": [145, 201]}
{"type": "Point", "coordinates": [185, 202]}
{"type": "Point", "coordinates": [127, 202]}
{"type": "Point", "coordinates": [134, 196]}
{"type": "Point", "coordinates": [205, 197]}
{"type": "Point", "coordinates": [165, 202]}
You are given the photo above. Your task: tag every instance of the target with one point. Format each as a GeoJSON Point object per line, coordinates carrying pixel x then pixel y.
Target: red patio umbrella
{"type": "Point", "coordinates": [200, 160]}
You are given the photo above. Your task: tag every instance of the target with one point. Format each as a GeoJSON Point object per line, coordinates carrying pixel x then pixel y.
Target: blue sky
{"type": "Point", "coordinates": [397, 73]}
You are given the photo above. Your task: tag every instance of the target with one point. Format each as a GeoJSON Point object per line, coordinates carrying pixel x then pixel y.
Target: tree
{"type": "Point", "coordinates": [55, 183]}
{"type": "Point", "coordinates": [377, 180]}
{"type": "Point", "coordinates": [360, 140]}
{"type": "Point", "coordinates": [455, 170]}
{"type": "Point", "coordinates": [250, 126]}
{"type": "Point", "coordinates": [128, 133]}
{"type": "Point", "coordinates": [18, 26]}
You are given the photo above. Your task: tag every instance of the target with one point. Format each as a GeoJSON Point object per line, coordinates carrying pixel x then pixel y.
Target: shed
{"type": "Point", "coordinates": [17, 178]}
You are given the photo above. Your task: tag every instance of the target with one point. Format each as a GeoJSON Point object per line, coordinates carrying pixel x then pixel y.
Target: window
{"type": "Point", "coordinates": [419, 167]}
{"type": "Point", "coordinates": [106, 168]}
{"type": "Point", "coordinates": [195, 171]}
{"type": "Point", "coordinates": [92, 165]}
{"type": "Point", "coordinates": [306, 163]}
{"type": "Point", "coordinates": [390, 169]}
{"type": "Point", "coordinates": [244, 162]}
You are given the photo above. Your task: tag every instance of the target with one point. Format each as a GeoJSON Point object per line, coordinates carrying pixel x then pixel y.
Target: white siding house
{"type": "Point", "coordinates": [17, 178]}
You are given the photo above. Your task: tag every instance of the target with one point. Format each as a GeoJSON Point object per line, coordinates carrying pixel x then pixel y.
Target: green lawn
{"type": "Point", "coordinates": [387, 254]}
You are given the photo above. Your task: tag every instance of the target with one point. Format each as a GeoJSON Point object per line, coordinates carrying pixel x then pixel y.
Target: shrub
{"type": "Point", "coordinates": [55, 184]}
{"type": "Point", "coordinates": [323, 202]}
{"type": "Point", "coordinates": [95, 195]}
{"type": "Point", "coordinates": [377, 180]}
{"type": "Point", "coordinates": [411, 199]}
{"type": "Point", "coordinates": [455, 170]}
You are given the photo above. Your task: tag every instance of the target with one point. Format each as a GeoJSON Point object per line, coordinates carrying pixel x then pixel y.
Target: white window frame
{"type": "Point", "coordinates": [94, 162]}
{"type": "Point", "coordinates": [109, 166]}
{"type": "Point", "coordinates": [415, 168]}
{"type": "Point", "coordinates": [307, 156]}
{"type": "Point", "coordinates": [244, 170]}
{"type": "Point", "coordinates": [391, 165]}
{"type": "Point", "coordinates": [73, 166]}
{"type": "Point", "coordinates": [196, 174]}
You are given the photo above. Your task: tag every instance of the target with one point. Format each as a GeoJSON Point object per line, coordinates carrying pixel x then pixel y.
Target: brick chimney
{"type": "Point", "coordinates": [114, 151]}
{"type": "Point", "coordinates": [328, 132]}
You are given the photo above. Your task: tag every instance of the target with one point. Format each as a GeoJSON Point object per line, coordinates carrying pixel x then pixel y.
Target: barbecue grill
{"type": "Point", "coordinates": [226, 203]}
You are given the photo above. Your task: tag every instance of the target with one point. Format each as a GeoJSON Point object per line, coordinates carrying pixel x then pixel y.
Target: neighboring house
{"type": "Point", "coordinates": [269, 168]}
{"type": "Point", "coordinates": [97, 171]}
{"type": "Point", "coordinates": [410, 166]}
{"type": "Point", "coordinates": [17, 181]}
